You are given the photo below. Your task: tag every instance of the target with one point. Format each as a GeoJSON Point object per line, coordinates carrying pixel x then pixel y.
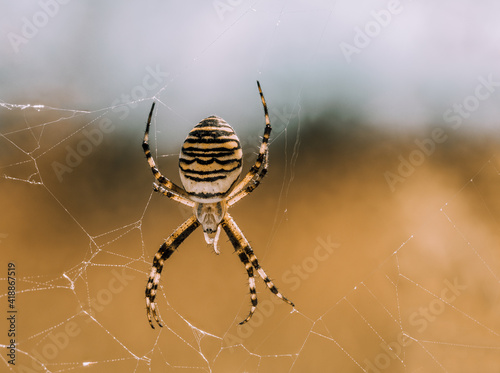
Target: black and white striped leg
{"type": "Point", "coordinates": [242, 246]}
{"type": "Point", "coordinates": [249, 188]}
{"type": "Point", "coordinates": [261, 158]}
{"type": "Point", "coordinates": [165, 251]}
{"type": "Point", "coordinates": [263, 275]}
{"type": "Point", "coordinates": [176, 191]}
{"type": "Point", "coordinates": [158, 188]}
{"type": "Point", "coordinates": [251, 284]}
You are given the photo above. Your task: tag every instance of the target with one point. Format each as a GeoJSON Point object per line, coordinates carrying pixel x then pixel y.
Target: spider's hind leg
{"type": "Point", "coordinates": [263, 275]}
{"type": "Point", "coordinates": [165, 251]}
{"type": "Point", "coordinates": [248, 258]}
{"type": "Point", "coordinates": [251, 284]}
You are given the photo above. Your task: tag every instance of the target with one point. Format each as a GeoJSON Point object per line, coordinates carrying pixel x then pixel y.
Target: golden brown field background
{"type": "Point", "coordinates": [379, 217]}
{"type": "Point", "coordinates": [388, 281]}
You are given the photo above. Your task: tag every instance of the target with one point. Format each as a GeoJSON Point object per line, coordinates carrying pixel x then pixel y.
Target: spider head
{"type": "Point", "coordinates": [210, 215]}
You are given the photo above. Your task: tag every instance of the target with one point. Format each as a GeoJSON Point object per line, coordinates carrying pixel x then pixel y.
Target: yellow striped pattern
{"type": "Point", "coordinates": [210, 161]}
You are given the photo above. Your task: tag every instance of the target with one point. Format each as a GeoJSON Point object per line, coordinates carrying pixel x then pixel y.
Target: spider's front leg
{"type": "Point", "coordinates": [165, 251]}
{"type": "Point", "coordinates": [248, 258]}
{"type": "Point", "coordinates": [167, 188]}
{"type": "Point", "coordinates": [259, 169]}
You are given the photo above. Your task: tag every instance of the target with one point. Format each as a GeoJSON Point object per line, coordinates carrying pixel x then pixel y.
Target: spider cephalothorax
{"type": "Point", "coordinates": [210, 163]}
{"type": "Point", "coordinates": [210, 216]}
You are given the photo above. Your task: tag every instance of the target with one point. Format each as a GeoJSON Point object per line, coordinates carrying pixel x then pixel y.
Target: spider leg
{"type": "Point", "coordinates": [158, 188]}
{"type": "Point", "coordinates": [165, 251]}
{"type": "Point", "coordinates": [261, 161]}
{"type": "Point", "coordinates": [248, 257]}
{"type": "Point", "coordinates": [251, 284]}
{"type": "Point", "coordinates": [250, 186]}
{"type": "Point", "coordinates": [178, 192]}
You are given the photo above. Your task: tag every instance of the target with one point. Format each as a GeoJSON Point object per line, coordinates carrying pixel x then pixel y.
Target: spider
{"type": "Point", "coordinates": [210, 164]}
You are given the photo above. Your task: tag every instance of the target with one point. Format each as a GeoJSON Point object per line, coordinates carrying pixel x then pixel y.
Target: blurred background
{"type": "Point", "coordinates": [378, 217]}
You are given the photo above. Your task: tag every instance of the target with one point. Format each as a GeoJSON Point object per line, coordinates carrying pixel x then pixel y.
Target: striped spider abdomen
{"type": "Point", "coordinates": [210, 160]}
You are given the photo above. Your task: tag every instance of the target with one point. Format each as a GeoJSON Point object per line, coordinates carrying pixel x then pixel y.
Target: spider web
{"type": "Point", "coordinates": [385, 239]}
